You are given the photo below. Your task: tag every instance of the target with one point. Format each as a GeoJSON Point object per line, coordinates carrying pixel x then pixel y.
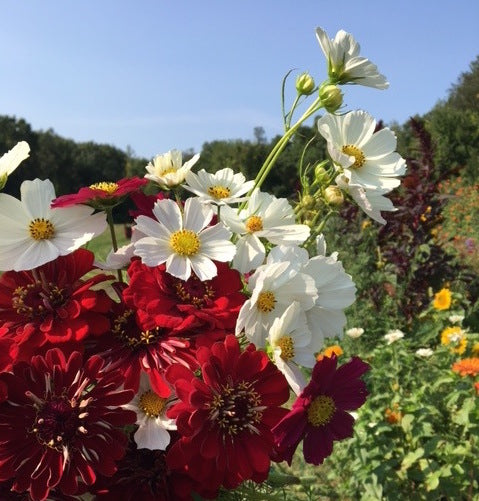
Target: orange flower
{"type": "Point", "coordinates": [456, 337]}
{"type": "Point", "coordinates": [330, 351]}
{"type": "Point", "coordinates": [394, 415]}
{"type": "Point", "coordinates": [467, 367]}
{"type": "Point", "coordinates": [476, 387]}
{"type": "Point", "coordinates": [442, 299]}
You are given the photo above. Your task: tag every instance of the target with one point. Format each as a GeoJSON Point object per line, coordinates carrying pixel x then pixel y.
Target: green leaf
{"type": "Point", "coordinates": [411, 458]}
{"type": "Point", "coordinates": [406, 422]}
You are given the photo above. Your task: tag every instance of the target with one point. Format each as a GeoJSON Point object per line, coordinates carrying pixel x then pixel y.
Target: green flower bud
{"type": "Point", "coordinates": [334, 195]}
{"type": "Point", "coordinates": [3, 181]}
{"type": "Point", "coordinates": [305, 84]}
{"type": "Point", "coordinates": [308, 202]}
{"type": "Point", "coordinates": [321, 175]}
{"type": "Point", "coordinates": [331, 97]}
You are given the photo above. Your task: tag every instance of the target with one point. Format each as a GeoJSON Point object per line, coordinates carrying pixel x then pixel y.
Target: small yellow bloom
{"type": "Point", "coordinates": [330, 351]}
{"type": "Point", "coordinates": [365, 224]}
{"type": "Point", "coordinates": [456, 337]}
{"type": "Point", "coordinates": [442, 299]}
{"type": "Point", "coordinates": [475, 349]}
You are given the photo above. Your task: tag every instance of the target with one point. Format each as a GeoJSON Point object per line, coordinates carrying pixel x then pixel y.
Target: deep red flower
{"type": "Point", "coordinates": [319, 415]}
{"type": "Point", "coordinates": [145, 203]}
{"type": "Point", "coordinates": [53, 303]}
{"type": "Point", "coordinates": [102, 195]}
{"type": "Point", "coordinates": [225, 419]}
{"type": "Point", "coordinates": [192, 307]}
{"type": "Point", "coordinates": [61, 423]}
{"type": "Point", "coordinates": [135, 346]}
{"type": "Point", "coordinates": [143, 475]}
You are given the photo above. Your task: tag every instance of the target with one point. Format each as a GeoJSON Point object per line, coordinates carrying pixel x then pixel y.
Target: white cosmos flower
{"type": "Point", "coordinates": [290, 339]}
{"type": "Point", "coordinates": [344, 63]}
{"type": "Point", "coordinates": [153, 425]}
{"type": "Point", "coordinates": [12, 159]}
{"type": "Point", "coordinates": [336, 291]}
{"type": "Point", "coordinates": [34, 234]}
{"type": "Point", "coordinates": [424, 352]}
{"type": "Point", "coordinates": [372, 202]}
{"type": "Point", "coordinates": [393, 336]}
{"type": "Point", "coordinates": [168, 169]}
{"type": "Point", "coordinates": [273, 288]}
{"type": "Point", "coordinates": [221, 188]}
{"type": "Point", "coordinates": [183, 241]}
{"type": "Point", "coordinates": [266, 217]}
{"type": "Point", "coordinates": [355, 332]}
{"type": "Point", "coordinates": [366, 158]}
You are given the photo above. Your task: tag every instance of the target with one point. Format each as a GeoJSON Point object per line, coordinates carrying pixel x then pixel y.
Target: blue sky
{"type": "Point", "coordinates": [157, 74]}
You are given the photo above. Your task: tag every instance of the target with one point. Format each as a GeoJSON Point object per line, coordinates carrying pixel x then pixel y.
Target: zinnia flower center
{"type": "Point", "coordinates": [57, 422]}
{"type": "Point", "coordinates": [37, 299]}
{"type": "Point", "coordinates": [152, 404]}
{"type": "Point", "coordinates": [194, 291]}
{"type": "Point", "coordinates": [185, 242]}
{"type": "Point", "coordinates": [286, 344]}
{"type": "Point", "coordinates": [237, 408]}
{"type": "Point", "coordinates": [353, 151]}
{"type": "Point", "coordinates": [41, 229]}
{"type": "Point", "coordinates": [219, 192]}
{"type": "Point", "coordinates": [266, 301]}
{"type": "Point", "coordinates": [321, 410]}
{"type": "Point", "coordinates": [107, 187]}
{"type": "Point", "coordinates": [254, 223]}
{"type": "Point", "coordinates": [125, 328]}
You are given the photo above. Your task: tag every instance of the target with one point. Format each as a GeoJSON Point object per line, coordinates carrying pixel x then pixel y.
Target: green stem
{"type": "Point", "coordinates": [114, 242]}
{"type": "Point", "coordinates": [316, 231]}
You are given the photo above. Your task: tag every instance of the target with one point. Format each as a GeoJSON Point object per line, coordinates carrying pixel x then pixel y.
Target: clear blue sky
{"type": "Point", "coordinates": [158, 74]}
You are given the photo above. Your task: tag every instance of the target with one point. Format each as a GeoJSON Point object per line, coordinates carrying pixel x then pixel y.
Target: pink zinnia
{"type": "Point", "coordinates": [319, 415]}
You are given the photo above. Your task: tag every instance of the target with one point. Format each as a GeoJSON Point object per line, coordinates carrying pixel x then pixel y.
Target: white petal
{"type": "Point", "coordinates": [37, 196]}
{"type": "Point", "coordinates": [13, 158]}
{"type": "Point", "coordinates": [197, 215]}
{"type": "Point", "coordinates": [168, 214]}
{"type": "Point", "coordinates": [152, 436]}
{"type": "Point", "coordinates": [178, 266]}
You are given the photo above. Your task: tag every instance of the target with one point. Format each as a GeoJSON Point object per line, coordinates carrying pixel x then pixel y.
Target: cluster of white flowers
{"type": "Point", "coordinates": [393, 336]}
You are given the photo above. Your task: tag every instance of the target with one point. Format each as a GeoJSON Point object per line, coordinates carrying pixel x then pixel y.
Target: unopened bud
{"type": "Point", "coordinates": [321, 175]}
{"type": "Point", "coordinates": [331, 97]}
{"type": "Point", "coordinates": [308, 201]}
{"type": "Point", "coordinates": [305, 84]}
{"type": "Point", "coordinates": [333, 195]}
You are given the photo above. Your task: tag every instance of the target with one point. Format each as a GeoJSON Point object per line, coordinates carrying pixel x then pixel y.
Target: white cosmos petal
{"type": "Point", "coordinates": [178, 266]}
{"type": "Point", "coordinates": [250, 253]}
{"type": "Point", "coordinates": [324, 323]}
{"type": "Point", "coordinates": [231, 218]}
{"type": "Point", "coordinates": [292, 373]}
{"type": "Point", "coordinates": [152, 251]}
{"type": "Point", "coordinates": [381, 143]}
{"type": "Point", "coordinates": [151, 436]}
{"type": "Point", "coordinates": [197, 215]}
{"type": "Point", "coordinates": [38, 253]}
{"type": "Point", "coordinates": [203, 267]}
{"type": "Point", "coordinates": [13, 158]}
{"type": "Point", "coordinates": [168, 214]}
{"type": "Point", "coordinates": [150, 227]}
{"type": "Point", "coordinates": [36, 197]}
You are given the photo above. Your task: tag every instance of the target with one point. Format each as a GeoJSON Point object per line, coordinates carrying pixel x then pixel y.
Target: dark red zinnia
{"type": "Point", "coordinates": [204, 310]}
{"type": "Point", "coordinates": [104, 195]}
{"type": "Point", "coordinates": [60, 423]}
{"type": "Point", "coordinates": [54, 303]}
{"type": "Point", "coordinates": [225, 418]}
{"type": "Point", "coordinates": [319, 415]}
{"type": "Point", "coordinates": [136, 345]}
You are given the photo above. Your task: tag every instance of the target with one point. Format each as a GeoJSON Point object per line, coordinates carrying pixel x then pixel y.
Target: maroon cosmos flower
{"type": "Point", "coordinates": [225, 418]}
{"type": "Point", "coordinates": [101, 196]}
{"type": "Point", "coordinates": [201, 310]}
{"type": "Point", "coordinates": [60, 423]}
{"type": "Point", "coordinates": [53, 303]}
{"type": "Point", "coordinates": [319, 415]}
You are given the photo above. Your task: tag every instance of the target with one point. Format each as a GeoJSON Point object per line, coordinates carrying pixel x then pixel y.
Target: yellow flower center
{"type": "Point", "coordinates": [109, 188]}
{"type": "Point", "coordinates": [254, 223]}
{"type": "Point", "coordinates": [41, 229]}
{"type": "Point", "coordinates": [353, 151]}
{"type": "Point", "coordinates": [152, 404]}
{"type": "Point", "coordinates": [266, 301]}
{"type": "Point", "coordinates": [286, 344]}
{"type": "Point", "coordinates": [219, 192]}
{"type": "Point", "coordinates": [321, 410]}
{"type": "Point", "coordinates": [185, 242]}
{"type": "Point", "coordinates": [166, 171]}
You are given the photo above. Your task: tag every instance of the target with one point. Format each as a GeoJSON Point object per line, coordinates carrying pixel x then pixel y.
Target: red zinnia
{"type": "Point", "coordinates": [225, 419]}
{"type": "Point", "coordinates": [319, 415]}
{"type": "Point", "coordinates": [60, 423]}
{"type": "Point", "coordinates": [192, 307]}
{"type": "Point", "coordinates": [104, 195]}
{"type": "Point", "coordinates": [52, 303]}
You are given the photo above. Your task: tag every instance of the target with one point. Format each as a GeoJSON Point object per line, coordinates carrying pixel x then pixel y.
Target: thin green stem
{"type": "Point", "coordinates": [114, 242]}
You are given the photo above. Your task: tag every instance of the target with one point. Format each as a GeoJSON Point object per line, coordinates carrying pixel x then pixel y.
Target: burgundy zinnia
{"type": "Point", "coordinates": [60, 423]}
{"type": "Point", "coordinates": [52, 303]}
{"type": "Point", "coordinates": [225, 419]}
{"type": "Point", "coordinates": [104, 195]}
{"type": "Point", "coordinates": [319, 415]}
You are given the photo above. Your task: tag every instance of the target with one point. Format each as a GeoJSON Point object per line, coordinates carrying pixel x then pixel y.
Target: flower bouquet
{"type": "Point", "coordinates": [165, 372]}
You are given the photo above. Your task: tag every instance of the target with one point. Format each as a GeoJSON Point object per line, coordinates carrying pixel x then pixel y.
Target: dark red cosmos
{"type": "Point", "coordinates": [205, 310]}
{"type": "Point", "coordinates": [135, 345]}
{"type": "Point", "coordinates": [319, 415]}
{"type": "Point", "coordinates": [61, 423]}
{"type": "Point", "coordinates": [53, 303]}
{"type": "Point", "coordinates": [145, 203]}
{"type": "Point", "coordinates": [102, 195]}
{"type": "Point", "coordinates": [225, 419]}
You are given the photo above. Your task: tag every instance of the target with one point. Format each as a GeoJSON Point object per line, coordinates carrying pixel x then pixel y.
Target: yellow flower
{"type": "Point", "coordinates": [442, 299]}
{"type": "Point", "coordinates": [365, 224]}
{"type": "Point", "coordinates": [475, 349]}
{"type": "Point", "coordinates": [456, 337]}
{"type": "Point", "coordinates": [330, 351]}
